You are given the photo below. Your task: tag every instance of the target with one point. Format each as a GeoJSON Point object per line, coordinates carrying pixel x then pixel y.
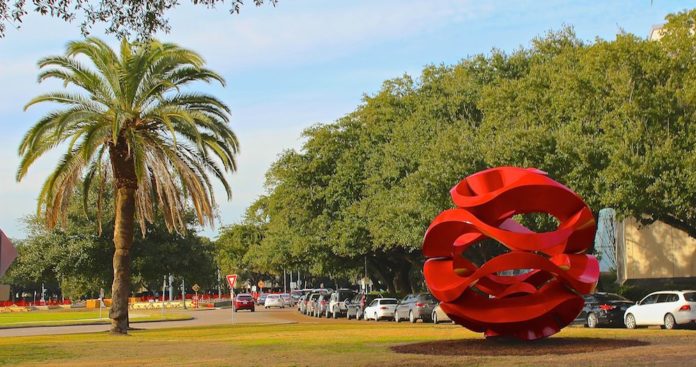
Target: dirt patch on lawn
{"type": "Point", "coordinates": [506, 347]}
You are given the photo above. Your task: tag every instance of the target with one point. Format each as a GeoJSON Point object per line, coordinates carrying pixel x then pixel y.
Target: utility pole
{"type": "Point", "coordinates": [285, 288]}
{"type": "Point", "coordinates": [218, 282]}
{"type": "Point", "coordinates": [365, 266]}
{"type": "Point", "coordinates": [164, 289]}
{"type": "Point", "coordinates": [183, 292]}
{"type": "Point", "coordinates": [171, 288]}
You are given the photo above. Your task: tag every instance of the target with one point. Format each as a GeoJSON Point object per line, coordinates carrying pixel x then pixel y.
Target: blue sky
{"type": "Point", "coordinates": [300, 63]}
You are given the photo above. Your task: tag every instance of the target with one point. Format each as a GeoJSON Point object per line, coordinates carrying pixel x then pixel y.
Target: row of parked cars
{"type": "Point", "coordinates": [667, 309]}
{"type": "Point", "coordinates": [360, 306]}
{"type": "Point", "coordinates": [245, 301]}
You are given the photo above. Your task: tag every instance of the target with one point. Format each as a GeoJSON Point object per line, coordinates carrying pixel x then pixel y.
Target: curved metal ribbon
{"type": "Point", "coordinates": [528, 306]}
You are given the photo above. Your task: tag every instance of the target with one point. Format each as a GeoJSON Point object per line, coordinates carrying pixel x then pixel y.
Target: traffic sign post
{"type": "Point", "coordinates": [101, 301]}
{"type": "Point", "coordinates": [231, 280]}
{"type": "Point", "coordinates": [195, 288]}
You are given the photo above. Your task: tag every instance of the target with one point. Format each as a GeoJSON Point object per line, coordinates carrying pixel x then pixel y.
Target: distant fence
{"type": "Point", "coordinates": [22, 303]}
{"type": "Point", "coordinates": [202, 297]}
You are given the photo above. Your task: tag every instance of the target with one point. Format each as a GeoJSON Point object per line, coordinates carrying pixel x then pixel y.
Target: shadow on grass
{"type": "Point", "coordinates": [507, 347]}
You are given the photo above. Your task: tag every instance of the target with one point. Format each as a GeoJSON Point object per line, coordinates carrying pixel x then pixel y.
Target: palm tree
{"type": "Point", "coordinates": [129, 127]}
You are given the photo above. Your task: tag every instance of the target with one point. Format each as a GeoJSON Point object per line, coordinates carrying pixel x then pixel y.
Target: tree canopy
{"type": "Point", "coordinates": [124, 18]}
{"type": "Point", "coordinates": [612, 120]}
{"type": "Point", "coordinates": [77, 259]}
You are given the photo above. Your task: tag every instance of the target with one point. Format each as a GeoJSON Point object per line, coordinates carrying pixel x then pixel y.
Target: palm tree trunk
{"type": "Point", "coordinates": [123, 167]}
{"type": "Point", "coordinates": [123, 238]}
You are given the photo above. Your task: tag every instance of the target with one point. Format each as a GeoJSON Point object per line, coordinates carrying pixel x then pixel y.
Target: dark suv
{"type": "Point", "coordinates": [603, 309]}
{"type": "Point", "coordinates": [355, 308]}
{"type": "Point", "coordinates": [414, 307]}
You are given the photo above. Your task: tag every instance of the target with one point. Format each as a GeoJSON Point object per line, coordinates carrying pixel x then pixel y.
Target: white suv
{"type": "Point", "coordinates": [667, 309]}
{"type": "Point", "coordinates": [337, 303]}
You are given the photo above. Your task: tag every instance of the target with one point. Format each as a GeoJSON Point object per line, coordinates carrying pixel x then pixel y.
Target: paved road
{"type": "Point", "coordinates": [200, 318]}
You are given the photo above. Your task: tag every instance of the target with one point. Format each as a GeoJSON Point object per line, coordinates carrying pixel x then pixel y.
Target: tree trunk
{"type": "Point", "coordinates": [126, 185]}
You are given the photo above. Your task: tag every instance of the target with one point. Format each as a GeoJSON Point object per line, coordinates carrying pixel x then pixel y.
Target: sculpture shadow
{"type": "Point", "coordinates": [509, 347]}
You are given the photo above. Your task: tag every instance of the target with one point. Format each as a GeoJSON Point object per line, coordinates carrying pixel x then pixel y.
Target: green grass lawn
{"type": "Point", "coordinates": [327, 344]}
{"type": "Point", "coordinates": [77, 317]}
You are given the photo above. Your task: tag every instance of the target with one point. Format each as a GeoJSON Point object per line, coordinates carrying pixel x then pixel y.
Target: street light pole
{"type": "Point", "coordinates": [183, 292]}
{"type": "Point", "coordinates": [218, 282]}
{"type": "Point", "coordinates": [171, 288]}
{"type": "Point", "coordinates": [164, 289]}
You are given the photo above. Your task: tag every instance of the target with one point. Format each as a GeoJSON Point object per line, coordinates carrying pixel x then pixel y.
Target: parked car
{"type": "Point", "coordinates": [356, 307]}
{"type": "Point", "coordinates": [244, 301]}
{"type": "Point", "coordinates": [261, 300]}
{"type": "Point", "coordinates": [302, 304]}
{"type": "Point", "coordinates": [381, 308]}
{"type": "Point", "coordinates": [415, 307]}
{"type": "Point", "coordinates": [668, 309]}
{"type": "Point", "coordinates": [311, 303]}
{"type": "Point", "coordinates": [322, 305]}
{"type": "Point", "coordinates": [337, 302]}
{"type": "Point", "coordinates": [603, 309]}
{"type": "Point", "coordinates": [438, 315]}
{"type": "Point", "coordinates": [287, 299]}
{"type": "Point", "coordinates": [296, 294]}
{"type": "Point", "coordinates": [274, 300]}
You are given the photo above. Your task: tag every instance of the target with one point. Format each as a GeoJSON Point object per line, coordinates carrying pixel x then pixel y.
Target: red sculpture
{"type": "Point", "coordinates": [528, 306]}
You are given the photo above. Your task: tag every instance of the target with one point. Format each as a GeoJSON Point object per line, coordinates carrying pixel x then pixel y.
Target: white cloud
{"type": "Point", "coordinates": [259, 149]}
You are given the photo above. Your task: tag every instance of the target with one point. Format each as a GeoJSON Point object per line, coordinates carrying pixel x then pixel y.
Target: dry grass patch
{"type": "Point", "coordinates": [340, 343]}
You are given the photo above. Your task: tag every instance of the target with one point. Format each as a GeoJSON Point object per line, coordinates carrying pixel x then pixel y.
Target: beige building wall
{"type": "Point", "coordinates": [656, 32]}
{"type": "Point", "coordinates": [4, 292]}
{"type": "Point", "coordinates": [656, 251]}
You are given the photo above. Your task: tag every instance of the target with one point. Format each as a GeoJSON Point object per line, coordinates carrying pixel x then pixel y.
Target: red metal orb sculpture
{"type": "Point", "coordinates": [555, 270]}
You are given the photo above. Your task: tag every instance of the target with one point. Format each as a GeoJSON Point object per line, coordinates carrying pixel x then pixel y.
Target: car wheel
{"type": "Point", "coordinates": [670, 323]}
{"type": "Point", "coordinates": [252, 310]}
{"type": "Point", "coordinates": [630, 321]}
{"type": "Point", "coordinates": [235, 310]}
{"type": "Point", "coordinates": [592, 320]}
{"type": "Point", "coordinates": [411, 318]}
{"type": "Point", "coordinates": [434, 317]}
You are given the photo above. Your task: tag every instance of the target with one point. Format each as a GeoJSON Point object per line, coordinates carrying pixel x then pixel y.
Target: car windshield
{"type": "Point", "coordinates": [690, 296]}
{"type": "Point", "coordinates": [371, 297]}
{"type": "Point", "coordinates": [388, 302]}
{"type": "Point", "coordinates": [427, 297]}
{"type": "Point", "coordinates": [344, 295]}
{"type": "Point", "coordinates": [610, 297]}
{"type": "Point", "coordinates": [244, 298]}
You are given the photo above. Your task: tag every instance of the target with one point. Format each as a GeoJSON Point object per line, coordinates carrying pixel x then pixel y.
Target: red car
{"type": "Point", "coordinates": [244, 301]}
